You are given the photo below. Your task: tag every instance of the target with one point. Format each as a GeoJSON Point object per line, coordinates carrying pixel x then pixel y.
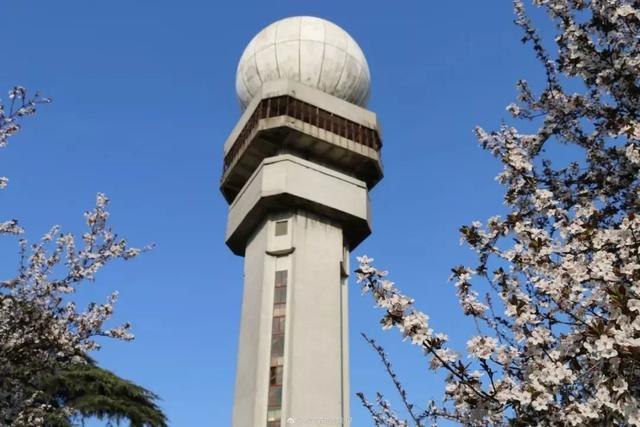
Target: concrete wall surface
{"type": "Point", "coordinates": [299, 178]}
{"type": "Point", "coordinates": [317, 372]}
{"type": "Point", "coordinates": [316, 375]}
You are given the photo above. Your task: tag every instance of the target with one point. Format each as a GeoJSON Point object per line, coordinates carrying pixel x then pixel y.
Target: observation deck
{"type": "Point", "coordinates": [287, 117]}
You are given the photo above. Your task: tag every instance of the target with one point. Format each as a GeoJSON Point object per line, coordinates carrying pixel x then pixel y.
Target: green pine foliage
{"type": "Point", "coordinates": [96, 392]}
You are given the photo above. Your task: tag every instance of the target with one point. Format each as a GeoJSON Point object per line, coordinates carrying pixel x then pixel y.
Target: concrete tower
{"type": "Point", "coordinates": [297, 170]}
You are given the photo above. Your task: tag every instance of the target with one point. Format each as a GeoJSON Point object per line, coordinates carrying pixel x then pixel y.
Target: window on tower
{"type": "Point", "coordinates": [278, 324]}
{"type": "Point", "coordinates": [280, 296]}
{"type": "Point", "coordinates": [277, 346]}
{"type": "Point", "coordinates": [275, 377]}
{"type": "Point", "coordinates": [281, 278]}
{"type": "Point", "coordinates": [281, 228]}
{"type": "Point", "coordinates": [273, 418]}
{"type": "Point", "coordinates": [275, 396]}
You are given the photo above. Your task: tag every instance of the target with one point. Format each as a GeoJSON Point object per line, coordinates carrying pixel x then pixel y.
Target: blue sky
{"type": "Point", "coordinates": [143, 100]}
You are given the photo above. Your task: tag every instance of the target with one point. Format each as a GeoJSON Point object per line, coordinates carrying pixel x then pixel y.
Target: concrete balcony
{"type": "Point", "coordinates": [288, 117]}
{"type": "Point", "coordinates": [286, 183]}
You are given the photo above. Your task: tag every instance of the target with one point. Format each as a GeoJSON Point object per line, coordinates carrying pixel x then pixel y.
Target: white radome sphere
{"type": "Point", "coordinates": [312, 51]}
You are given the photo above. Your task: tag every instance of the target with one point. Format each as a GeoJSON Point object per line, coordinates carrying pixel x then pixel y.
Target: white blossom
{"type": "Point", "coordinates": [40, 327]}
{"type": "Point", "coordinates": [558, 327]}
{"type": "Point", "coordinates": [482, 347]}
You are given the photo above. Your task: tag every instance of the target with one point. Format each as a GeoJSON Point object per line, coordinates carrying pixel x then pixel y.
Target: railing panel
{"type": "Point", "coordinates": [308, 113]}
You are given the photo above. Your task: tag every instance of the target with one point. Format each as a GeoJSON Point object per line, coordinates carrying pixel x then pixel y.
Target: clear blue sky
{"type": "Point", "coordinates": [143, 101]}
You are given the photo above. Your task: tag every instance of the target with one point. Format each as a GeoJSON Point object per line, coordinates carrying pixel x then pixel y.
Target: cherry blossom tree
{"type": "Point", "coordinates": [41, 329]}
{"type": "Point", "coordinates": [556, 288]}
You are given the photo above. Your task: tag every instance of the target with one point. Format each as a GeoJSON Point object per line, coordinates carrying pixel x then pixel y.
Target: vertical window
{"type": "Point", "coordinates": [281, 228]}
{"type": "Point", "coordinates": [281, 278]}
{"type": "Point", "coordinates": [275, 396]}
{"type": "Point", "coordinates": [273, 418]}
{"type": "Point", "coordinates": [275, 377]}
{"type": "Point", "coordinates": [277, 346]}
{"type": "Point", "coordinates": [280, 296]}
{"type": "Point", "coordinates": [278, 323]}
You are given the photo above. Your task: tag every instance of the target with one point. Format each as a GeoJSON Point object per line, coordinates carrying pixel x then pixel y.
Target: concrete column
{"type": "Point", "coordinates": [250, 403]}
{"type": "Point", "coordinates": [316, 372]}
{"type": "Point", "coordinates": [317, 360]}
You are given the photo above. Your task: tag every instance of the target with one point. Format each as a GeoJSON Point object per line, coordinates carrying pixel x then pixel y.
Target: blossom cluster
{"type": "Point", "coordinates": [20, 106]}
{"type": "Point", "coordinates": [559, 323]}
{"type": "Point", "coordinates": [41, 328]}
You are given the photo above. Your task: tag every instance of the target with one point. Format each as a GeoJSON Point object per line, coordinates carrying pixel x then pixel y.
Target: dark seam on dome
{"type": "Point", "coordinates": [324, 49]}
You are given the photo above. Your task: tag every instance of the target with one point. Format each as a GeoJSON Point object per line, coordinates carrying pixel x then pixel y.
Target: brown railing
{"type": "Point", "coordinates": [292, 107]}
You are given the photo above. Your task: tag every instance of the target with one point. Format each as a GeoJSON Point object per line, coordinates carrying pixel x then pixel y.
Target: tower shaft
{"type": "Point", "coordinates": [293, 361]}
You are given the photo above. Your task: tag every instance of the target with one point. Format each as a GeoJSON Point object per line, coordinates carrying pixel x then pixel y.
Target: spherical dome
{"type": "Point", "coordinates": [313, 51]}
